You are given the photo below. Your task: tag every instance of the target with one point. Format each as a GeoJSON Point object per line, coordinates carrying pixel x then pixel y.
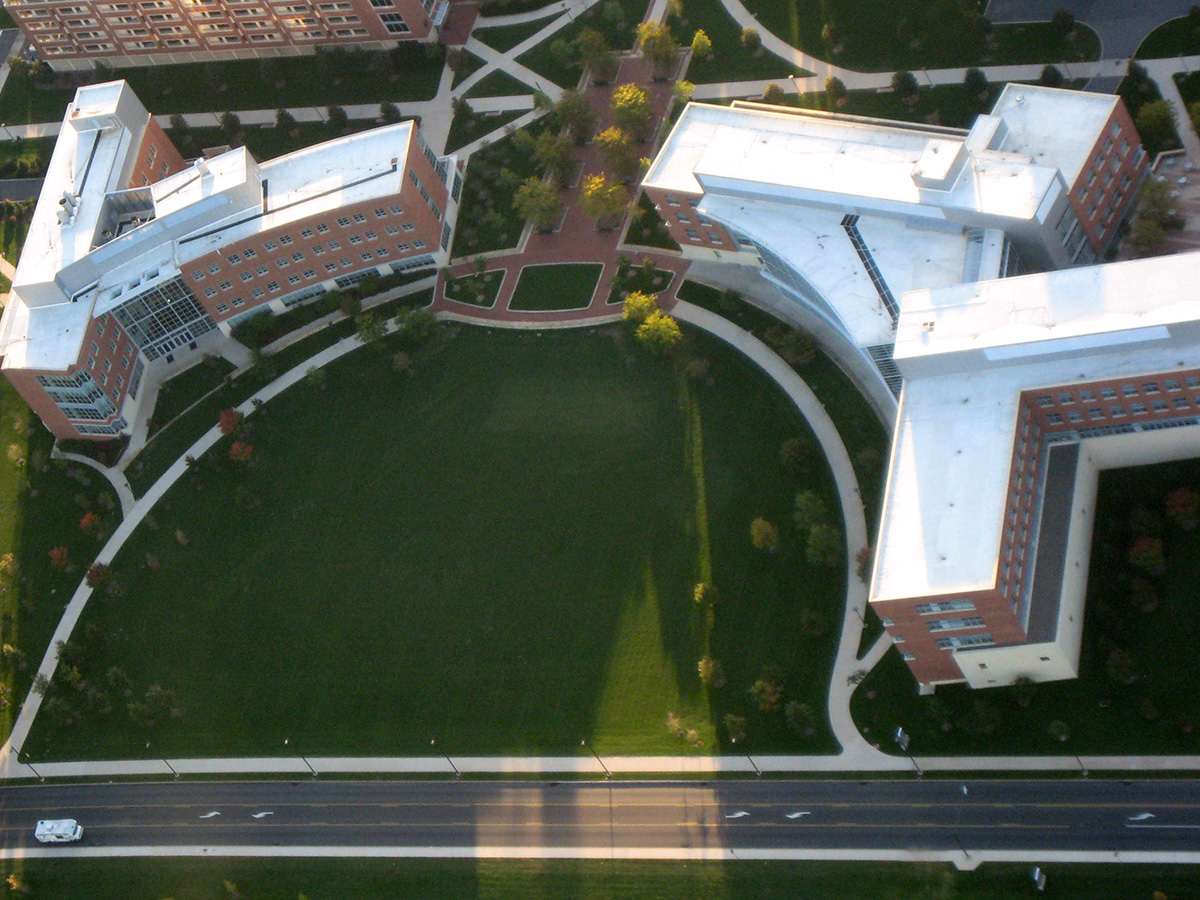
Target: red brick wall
{"type": "Point", "coordinates": [1104, 190]}
{"type": "Point", "coordinates": [678, 211]}
{"type": "Point", "coordinates": [156, 157]}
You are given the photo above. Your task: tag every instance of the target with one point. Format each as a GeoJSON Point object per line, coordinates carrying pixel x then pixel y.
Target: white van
{"type": "Point", "coordinates": [58, 831]}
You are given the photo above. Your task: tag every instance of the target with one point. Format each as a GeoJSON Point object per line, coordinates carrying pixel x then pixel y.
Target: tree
{"type": "Point", "coordinates": [824, 545]}
{"type": "Point", "coordinates": [604, 200]}
{"type": "Point", "coordinates": [711, 673]}
{"type": "Point", "coordinates": [702, 46]}
{"type": "Point", "coordinates": [240, 451]}
{"type": "Point", "coordinates": [337, 118]}
{"type": "Point", "coordinates": [631, 110]}
{"type": "Point", "coordinates": [800, 718]}
{"type": "Point", "coordinates": [767, 691]}
{"type": "Point", "coordinates": [229, 421]}
{"type": "Point", "coordinates": [798, 455]}
{"type": "Point", "coordinates": [656, 42]}
{"type": "Point", "coordinates": [591, 46]}
{"type": "Point", "coordinates": [156, 706]}
{"type": "Point", "coordinates": [416, 327]}
{"type": "Point", "coordinates": [735, 726]}
{"type": "Point", "coordinates": [1155, 122]}
{"type": "Point", "coordinates": [1147, 554]}
{"type": "Point", "coordinates": [976, 82]}
{"type": "Point", "coordinates": [904, 83]}
{"type": "Point", "coordinates": [809, 510]}
{"type": "Point", "coordinates": [681, 92]}
{"type": "Point", "coordinates": [751, 39]}
{"type": "Point", "coordinates": [1062, 23]}
{"type": "Point", "coordinates": [706, 594]}
{"type": "Point", "coordinates": [89, 523]}
{"type": "Point", "coordinates": [98, 575]}
{"type": "Point", "coordinates": [1051, 77]}
{"type": "Point", "coordinates": [764, 535]}
{"type": "Point", "coordinates": [389, 113]}
{"type": "Point", "coordinates": [1059, 730]}
{"type": "Point", "coordinates": [230, 124]}
{"type": "Point", "coordinates": [1183, 507]}
{"type": "Point", "coordinates": [60, 557]}
{"type": "Point", "coordinates": [369, 328]}
{"type": "Point", "coordinates": [179, 127]}
{"type": "Point", "coordinates": [554, 154]}
{"type": "Point", "coordinates": [659, 334]}
{"type": "Point", "coordinates": [620, 157]}
{"type": "Point", "coordinates": [575, 114]}
{"type": "Point", "coordinates": [458, 61]}
{"type": "Point", "coordinates": [773, 94]}
{"type": "Point", "coordinates": [638, 307]}
{"type": "Point", "coordinates": [538, 202]}
{"type": "Point", "coordinates": [835, 90]}
{"type": "Point", "coordinates": [1023, 689]}
{"type": "Point", "coordinates": [1147, 237]}
{"type": "Point", "coordinates": [284, 121]}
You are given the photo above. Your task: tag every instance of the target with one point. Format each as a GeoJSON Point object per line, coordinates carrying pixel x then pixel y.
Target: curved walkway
{"type": "Point", "coordinates": [115, 477]}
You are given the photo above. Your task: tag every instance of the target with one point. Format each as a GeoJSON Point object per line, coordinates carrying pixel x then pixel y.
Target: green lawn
{"type": "Point", "coordinates": [1156, 713]}
{"type": "Point", "coordinates": [730, 60]}
{"type": "Point", "coordinates": [950, 105]}
{"type": "Point", "coordinates": [263, 142]}
{"type": "Point", "coordinates": [439, 879]}
{"type": "Point", "coordinates": [486, 220]}
{"type": "Point", "coordinates": [880, 35]}
{"type": "Point", "coordinates": [188, 387]}
{"type": "Point", "coordinates": [506, 37]}
{"type": "Point", "coordinates": [41, 505]}
{"type": "Point", "coordinates": [474, 64]}
{"type": "Point", "coordinates": [13, 229]}
{"type": "Point", "coordinates": [466, 129]}
{"type": "Point", "coordinates": [406, 73]}
{"type": "Point", "coordinates": [556, 286]}
{"type": "Point", "coordinates": [167, 446]}
{"type": "Point", "coordinates": [476, 290]}
{"type": "Point", "coordinates": [1178, 37]}
{"type": "Point", "coordinates": [496, 549]}
{"type": "Point", "coordinates": [26, 158]}
{"type": "Point", "coordinates": [498, 84]}
{"type": "Point", "coordinates": [546, 60]}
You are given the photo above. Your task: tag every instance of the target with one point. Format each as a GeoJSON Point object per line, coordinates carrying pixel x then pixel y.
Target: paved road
{"type": "Point", "coordinates": [1121, 24]}
{"type": "Point", "coordinates": [446, 817]}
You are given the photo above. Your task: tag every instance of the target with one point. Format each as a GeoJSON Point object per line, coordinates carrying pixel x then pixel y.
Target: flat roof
{"type": "Point", "coordinates": [948, 479]}
{"type": "Point", "coordinates": [1054, 126]}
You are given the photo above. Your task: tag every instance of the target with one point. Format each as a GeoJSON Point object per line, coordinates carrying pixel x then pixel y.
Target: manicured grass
{"type": "Point", "coordinates": [486, 220]}
{"type": "Point", "coordinates": [495, 550]}
{"type": "Point", "coordinates": [562, 69]}
{"type": "Point", "coordinates": [730, 60]}
{"type": "Point", "coordinates": [1156, 713]}
{"type": "Point", "coordinates": [188, 387]}
{"type": "Point", "coordinates": [405, 73]}
{"type": "Point", "coordinates": [476, 290]}
{"type": "Point", "coordinates": [466, 129]}
{"type": "Point", "coordinates": [556, 286]}
{"type": "Point", "coordinates": [474, 64]}
{"type": "Point", "coordinates": [950, 105]}
{"type": "Point", "coordinates": [646, 279]}
{"type": "Point", "coordinates": [41, 505]}
{"type": "Point", "coordinates": [508, 36]}
{"type": "Point", "coordinates": [158, 455]}
{"type": "Point", "coordinates": [647, 228]}
{"type": "Point", "coordinates": [865, 438]}
{"type": "Point", "coordinates": [263, 142]}
{"type": "Point", "coordinates": [880, 35]}
{"type": "Point", "coordinates": [438, 879]}
{"type": "Point", "coordinates": [498, 84]}
{"type": "Point", "coordinates": [26, 158]}
{"type": "Point", "coordinates": [1178, 37]}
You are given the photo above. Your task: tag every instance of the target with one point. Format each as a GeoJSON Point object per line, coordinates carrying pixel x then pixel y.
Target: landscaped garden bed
{"type": "Point", "coordinates": [556, 286]}
{"type": "Point", "coordinates": [1136, 691]}
{"type": "Point", "coordinates": [496, 548]}
{"type": "Point", "coordinates": [187, 388]}
{"type": "Point", "coordinates": [486, 220]}
{"type": "Point", "coordinates": [646, 278]}
{"type": "Point", "coordinates": [479, 288]}
{"type": "Point", "coordinates": [646, 228]}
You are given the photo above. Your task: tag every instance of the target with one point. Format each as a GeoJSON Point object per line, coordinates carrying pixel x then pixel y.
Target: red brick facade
{"type": "Point", "coordinates": [156, 157]}
{"type": "Point", "coordinates": [1104, 190]}
{"type": "Point", "coordinates": [687, 227]}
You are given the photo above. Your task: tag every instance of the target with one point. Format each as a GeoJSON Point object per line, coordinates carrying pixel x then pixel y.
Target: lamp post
{"type": "Point", "coordinates": [457, 774]}
{"type": "Point", "coordinates": [958, 822]}
{"type": "Point", "coordinates": [901, 738]}
{"type": "Point", "coordinates": [7, 134]}
{"type": "Point", "coordinates": [584, 743]}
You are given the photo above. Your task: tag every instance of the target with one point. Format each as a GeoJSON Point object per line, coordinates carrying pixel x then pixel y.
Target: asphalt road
{"type": "Point", "coordinates": [1096, 815]}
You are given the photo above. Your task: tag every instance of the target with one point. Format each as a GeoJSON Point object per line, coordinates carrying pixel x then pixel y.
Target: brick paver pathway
{"type": "Point", "coordinates": [577, 240]}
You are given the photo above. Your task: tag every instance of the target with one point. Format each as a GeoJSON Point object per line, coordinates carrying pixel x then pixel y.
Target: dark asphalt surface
{"type": "Point", "coordinates": [1096, 815]}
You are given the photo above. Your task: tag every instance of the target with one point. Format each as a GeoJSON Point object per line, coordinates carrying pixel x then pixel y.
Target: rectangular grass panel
{"type": "Point", "coordinates": [556, 286]}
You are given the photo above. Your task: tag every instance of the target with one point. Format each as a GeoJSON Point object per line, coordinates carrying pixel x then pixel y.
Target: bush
{"type": "Point", "coordinates": [764, 535]}
{"type": "Point", "coordinates": [751, 39]}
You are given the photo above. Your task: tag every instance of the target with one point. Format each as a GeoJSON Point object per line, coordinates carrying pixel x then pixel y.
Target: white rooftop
{"type": "Point", "coordinates": [948, 482]}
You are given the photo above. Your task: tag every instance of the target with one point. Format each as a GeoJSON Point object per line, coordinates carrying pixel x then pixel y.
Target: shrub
{"type": "Point", "coordinates": [800, 718]}
{"type": "Point", "coordinates": [705, 594]}
{"type": "Point", "coordinates": [751, 39]}
{"type": "Point", "coordinates": [230, 421]}
{"type": "Point", "coordinates": [767, 691]}
{"type": "Point", "coordinates": [638, 307]}
{"type": "Point", "coordinates": [1059, 730]}
{"type": "Point", "coordinates": [824, 545]}
{"type": "Point", "coordinates": [711, 673]}
{"type": "Point", "coordinates": [764, 535]}
{"type": "Point", "coordinates": [98, 575]}
{"type": "Point", "coordinates": [809, 510]}
{"type": "Point", "coordinates": [659, 333]}
{"type": "Point", "coordinates": [773, 94]}
{"type": "Point", "coordinates": [240, 451]}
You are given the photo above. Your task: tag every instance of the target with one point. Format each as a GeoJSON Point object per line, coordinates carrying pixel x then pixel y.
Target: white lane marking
{"type": "Point", "coordinates": [737, 815]}
{"type": "Point", "coordinates": [797, 815]}
{"type": "Point", "coordinates": [260, 815]}
{"type": "Point", "coordinates": [209, 815]}
{"type": "Point", "coordinates": [1141, 817]}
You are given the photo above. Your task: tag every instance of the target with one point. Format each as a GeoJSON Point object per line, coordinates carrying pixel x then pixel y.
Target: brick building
{"type": "Point", "coordinates": [81, 33]}
{"type": "Point", "coordinates": [133, 255]}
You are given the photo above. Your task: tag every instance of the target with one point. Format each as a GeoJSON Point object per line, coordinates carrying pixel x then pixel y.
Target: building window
{"type": "Point", "coordinates": [273, 286]}
{"type": "Point", "coordinates": [958, 643]}
{"type": "Point", "coordinates": [306, 232]}
{"type": "Point", "coordinates": [246, 276]}
{"type": "Point", "coordinates": [1116, 412]}
{"type": "Point", "coordinates": [396, 210]}
{"type": "Point", "coordinates": [408, 226]}
{"type": "Point", "coordinates": [226, 285]}
{"type": "Point", "coordinates": [371, 236]}
{"type": "Point", "coordinates": [945, 606]}
{"type": "Point", "coordinates": [1128, 390]}
{"type": "Point", "coordinates": [293, 279]}
{"type": "Point", "coordinates": [1054, 419]}
{"type": "Point", "coordinates": [234, 259]}
{"type": "Point", "coordinates": [257, 293]}
{"type": "Point", "coordinates": [222, 308]}
{"type": "Point", "coordinates": [249, 253]}
{"type": "Point", "coordinates": [394, 23]}
{"type": "Point", "coordinates": [1137, 409]}
{"type": "Point", "coordinates": [260, 270]}
{"type": "Point", "coordinates": [213, 268]}
{"type": "Point", "coordinates": [1108, 393]}
{"type": "Point", "coordinates": [418, 244]}
{"type": "Point", "coordinates": [691, 234]}
{"type": "Point", "coordinates": [330, 267]}
{"type": "Point", "coordinates": [285, 239]}
{"type": "Point", "coordinates": [210, 292]}
{"type": "Point", "coordinates": [238, 301]}
{"type": "Point", "coordinates": [343, 222]}
{"type": "Point", "coordinates": [322, 228]}
{"type": "Point", "coordinates": [297, 257]}
{"type": "Point", "coordinates": [1045, 401]}
{"type": "Point", "coordinates": [1150, 387]}
{"type": "Point", "coordinates": [954, 624]}
{"type": "Point", "coordinates": [1181, 402]}
{"type": "Point", "coordinates": [269, 245]}
{"type": "Point", "coordinates": [403, 248]}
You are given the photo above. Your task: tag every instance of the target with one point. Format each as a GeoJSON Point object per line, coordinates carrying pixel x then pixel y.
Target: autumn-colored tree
{"type": "Point", "coordinates": [711, 672]}
{"type": "Point", "coordinates": [240, 451]}
{"type": "Point", "coordinates": [230, 421]}
{"type": "Point", "coordinates": [764, 535]}
{"type": "Point", "coordinates": [638, 307]}
{"type": "Point", "coordinates": [591, 46]}
{"type": "Point", "coordinates": [702, 46]}
{"type": "Point", "coordinates": [604, 200]}
{"type": "Point", "coordinates": [658, 45]}
{"type": "Point", "coordinates": [620, 157]}
{"type": "Point", "coordinates": [98, 575]}
{"type": "Point", "coordinates": [60, 557]}
{"type": "Point", "coordinates": [659, 334]}
{"type": "Point", "coordinates": [1183, 507]}
{"type": "Point", "coordinates": [89, 523]}
{"type": "Point", "coordinates": [809, 510]}
{"type": "Point", "coordinates": [538, 202]}
{"type": "Point", "coordinates": [706, 594]}
{"type": "Point", "coordinates": [631, 110]}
